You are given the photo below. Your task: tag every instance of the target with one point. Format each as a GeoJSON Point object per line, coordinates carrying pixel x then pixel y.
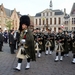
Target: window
{"type": "Point", "coordinates": [73, 28]}
{"type": "Point", "coordinates": [55, 29]}
{"type": "Point", "coordinates": [50, 13]}
{"type": "Point", "coordinates": [50, 20]}
{"type": "Point", "coordinates": [66, 22]}
{"type": "Point", "coordinates": [73, 20]}
{"type": "Point", "coordinates": [39, 21]}
{"type": "Point", "coordinates": [43, 22]}
{"type": "Point", "coordinates": [47, 13]}
{"type": "Point", "coordinates": [47, 21]}
{"type": "Point", "coordinates": [36, 21]}
{"type": "Point", "coordinates": [54, 20]}
{"type": "Point", "coordinates": [59, 20]}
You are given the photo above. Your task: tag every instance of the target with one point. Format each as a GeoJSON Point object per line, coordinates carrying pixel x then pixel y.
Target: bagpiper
{"type": "Point", "coordinates": [47, 37]}
{"type": "Point", "coordinates": [52, 41]}
{"type": "Point", "coordinates": [67, 43]}
{"type": "Point", "coordinates": [59, 45]}
{"type": "Point", "coordinates": [73, 47]}
{"type": "Point", "coordinates": [26, 44]}
{"type": "Point", "coordinates": [38, 42]}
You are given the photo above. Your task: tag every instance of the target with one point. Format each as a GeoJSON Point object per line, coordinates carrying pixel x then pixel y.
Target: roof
{"type": "Point", "coordinates": [38, 14]}
{"type": "Point", "coordinates": [19, 14]}
{"type": "Point", "coordinates": [57, 12]}
{"type": "Point", "coordinates": [66, 16]}
{"type": "Point", "coordinates": [8, 12]}
{"type": "Point", "coordinates": [73, 9]}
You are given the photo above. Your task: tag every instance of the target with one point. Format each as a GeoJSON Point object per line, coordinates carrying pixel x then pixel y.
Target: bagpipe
{"type": "Point", "coordinates": [48, 43]}
{"type": "Point", "coordinates": [59, 42]}
{"type": "Point", "coordinates": [59, 46]}
{"type": "Point", "coordinates": [37, 46]}
{"type": "Point", "coordinates": [21, 50]}
{"type": "Point", "coordinates": [38, 42]}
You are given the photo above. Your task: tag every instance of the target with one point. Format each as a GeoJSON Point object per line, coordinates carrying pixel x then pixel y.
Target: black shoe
{"type": "Point", "coordinates": [27, 68]}
{"type": "Point", "coordinates": [16, 69]}
{"type": "Point", "coordinates": [46, 54]}
{"type": "Point", "coordinates": [61, 60]}
{"type": "Point", "coordinates": [14, 53]}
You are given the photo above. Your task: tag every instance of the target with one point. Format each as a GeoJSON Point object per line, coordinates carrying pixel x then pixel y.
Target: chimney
{"type": "Point", "coordinates": [64, 10]}
{"type": "Point", "coordinates": [15, 9]}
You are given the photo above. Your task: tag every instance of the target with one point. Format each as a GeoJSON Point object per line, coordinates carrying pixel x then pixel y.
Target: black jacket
{"type": "Point", "coordinates": [11, 39]}
{"type": "Point", "coordinates": [1, 38]}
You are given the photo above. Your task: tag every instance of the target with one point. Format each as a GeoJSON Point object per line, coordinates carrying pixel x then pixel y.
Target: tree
{"type": "Point", "coordinates": [9, 24]}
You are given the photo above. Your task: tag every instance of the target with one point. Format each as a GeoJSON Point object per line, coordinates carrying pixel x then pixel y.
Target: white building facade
{"type": "Point", "coordinates": [55, 18]}
{"type": "Point", "coordinates": [49, 18]}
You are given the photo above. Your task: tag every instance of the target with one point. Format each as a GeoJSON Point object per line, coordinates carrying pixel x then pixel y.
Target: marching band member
{"type": "Point", "coordinates": [38, 41]}
{"type": "Point", "coordinates": [67, 41]}
{"type": "Point", "coordinates": [52, 41]}
{"type": "Point", "coordinates": [73, 45]}
{"type": "Point", "coordinates": [59, 47]}
{"type": "Point", "coordinates": [47, 42]}
{"type": "Point", "coordinates": [26, 43]}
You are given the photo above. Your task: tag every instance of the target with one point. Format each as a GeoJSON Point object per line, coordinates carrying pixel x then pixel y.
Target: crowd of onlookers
{"type": "Point", "coordinates": [9, 37]}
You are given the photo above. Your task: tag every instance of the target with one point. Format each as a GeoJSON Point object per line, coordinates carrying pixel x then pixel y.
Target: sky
{"type": "Point", "coordinates": [32, 7]}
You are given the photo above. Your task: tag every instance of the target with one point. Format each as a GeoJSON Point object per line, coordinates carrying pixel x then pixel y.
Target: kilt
{"type": "Point", "coordinates": [19, 55]}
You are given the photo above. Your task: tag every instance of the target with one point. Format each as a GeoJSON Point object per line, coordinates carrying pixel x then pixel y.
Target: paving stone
{"type": "Point", "coordinates": [42, 66]}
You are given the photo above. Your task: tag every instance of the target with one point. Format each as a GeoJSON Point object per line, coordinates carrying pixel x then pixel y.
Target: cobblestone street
{"type": "Point", "coordinates": [43, 66]}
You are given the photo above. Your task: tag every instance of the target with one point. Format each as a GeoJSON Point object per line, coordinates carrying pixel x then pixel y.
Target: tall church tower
{"type": "Point", "coordinates": [51, 5]}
